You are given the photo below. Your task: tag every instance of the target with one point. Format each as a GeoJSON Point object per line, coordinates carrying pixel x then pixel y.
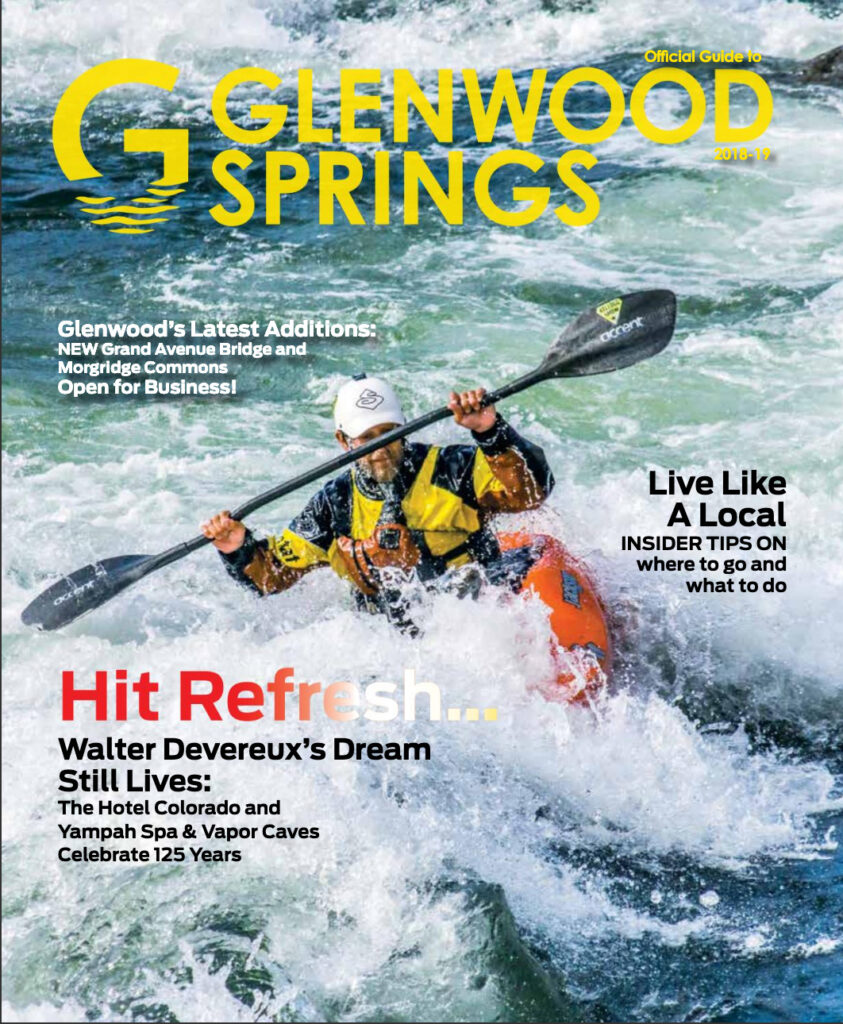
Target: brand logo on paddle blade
{"type": "Point", "coordinates": [369, 400]}
{"type": "Point", "coordinates": [622, 330]}
{"type": "Point", "coordinates": [610, 310]}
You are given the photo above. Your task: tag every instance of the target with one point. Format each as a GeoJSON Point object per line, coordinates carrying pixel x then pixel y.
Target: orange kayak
{"type": "Point", "coordinates": [577, 617]}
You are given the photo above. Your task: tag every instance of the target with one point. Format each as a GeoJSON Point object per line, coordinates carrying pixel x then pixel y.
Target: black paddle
{"type": "Point", "coordinates": [615, 334]}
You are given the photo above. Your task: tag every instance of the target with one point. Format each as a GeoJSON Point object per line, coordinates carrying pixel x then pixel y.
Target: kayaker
{"type": "Point", "coordinates": [407, 511]}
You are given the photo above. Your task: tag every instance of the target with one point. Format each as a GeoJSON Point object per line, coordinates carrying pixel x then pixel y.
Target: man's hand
{"type": "Point", "coordinates": [226, 533]}
{"type": "Point", "coordinates": [469, 412]}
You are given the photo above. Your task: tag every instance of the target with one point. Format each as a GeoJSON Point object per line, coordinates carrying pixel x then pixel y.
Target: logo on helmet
{"type": "Point", "coordinates": [369, 400]}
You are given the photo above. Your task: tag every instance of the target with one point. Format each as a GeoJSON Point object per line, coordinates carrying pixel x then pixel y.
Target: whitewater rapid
{"type": "Point", "coordinates": [670, 850]}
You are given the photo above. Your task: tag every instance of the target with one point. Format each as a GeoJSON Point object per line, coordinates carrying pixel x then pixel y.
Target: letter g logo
{"type": "Point", "coordinates": [172, 143]}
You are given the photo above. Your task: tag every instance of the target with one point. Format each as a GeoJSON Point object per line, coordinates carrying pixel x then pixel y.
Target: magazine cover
{"type": "Point", "coordinates": [422, 541]}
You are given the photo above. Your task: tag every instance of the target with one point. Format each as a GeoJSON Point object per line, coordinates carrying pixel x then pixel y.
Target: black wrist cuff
{"type": "Point", "coordinates": [497, 439]}
{"type": "Point", "coordinates": [240, 558]}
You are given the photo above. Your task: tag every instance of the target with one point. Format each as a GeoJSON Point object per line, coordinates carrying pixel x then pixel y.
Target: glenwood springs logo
{"type": "Point", "coordinates": [136, 216]}
{"type": "Point", "coordinates": [343, 178]}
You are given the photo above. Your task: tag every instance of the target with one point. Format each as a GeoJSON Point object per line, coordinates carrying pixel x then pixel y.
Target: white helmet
{"type": "Point", "coordinates": [365, 402]}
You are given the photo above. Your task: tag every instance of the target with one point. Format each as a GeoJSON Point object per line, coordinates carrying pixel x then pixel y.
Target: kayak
{"type": "Point", "coordinates": [582, 647]}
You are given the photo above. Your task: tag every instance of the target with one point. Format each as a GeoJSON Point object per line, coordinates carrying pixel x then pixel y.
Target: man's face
{"type": "Point", "coordinates": [382, 464]}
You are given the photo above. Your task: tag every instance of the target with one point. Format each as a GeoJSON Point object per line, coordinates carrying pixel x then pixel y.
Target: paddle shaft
{"type": "Point", "coordinates": [187, 547]}
{"type": "Point", "coordinates": [587, 346]}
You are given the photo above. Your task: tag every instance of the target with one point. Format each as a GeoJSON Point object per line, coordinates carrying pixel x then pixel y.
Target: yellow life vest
{"type": "Point", "coordinates": [440, 491]}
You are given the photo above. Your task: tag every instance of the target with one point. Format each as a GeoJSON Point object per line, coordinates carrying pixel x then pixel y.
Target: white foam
{"type": "Point", "coordinates": [208, 37]}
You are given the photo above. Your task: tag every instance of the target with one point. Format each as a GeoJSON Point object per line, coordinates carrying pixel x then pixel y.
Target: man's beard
{"type": "Point", "coordinates": [383, 472]}
{"type": "Point", "coordinates": [386, 475]}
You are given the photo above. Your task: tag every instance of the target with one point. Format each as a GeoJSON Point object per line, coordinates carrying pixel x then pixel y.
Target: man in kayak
{"type": "Point", "coordinates": [407, 511]}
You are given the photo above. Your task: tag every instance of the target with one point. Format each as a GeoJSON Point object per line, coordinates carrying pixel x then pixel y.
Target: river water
{"type": "Point", "coordinates": [671, 853]}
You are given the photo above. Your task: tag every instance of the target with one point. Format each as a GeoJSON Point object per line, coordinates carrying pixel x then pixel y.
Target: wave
{"type": "Point", "coordinates": [61, 38]}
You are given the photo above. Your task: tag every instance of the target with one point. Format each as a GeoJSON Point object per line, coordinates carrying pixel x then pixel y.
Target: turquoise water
{"type": "Point", "coordinates": [672, 853]}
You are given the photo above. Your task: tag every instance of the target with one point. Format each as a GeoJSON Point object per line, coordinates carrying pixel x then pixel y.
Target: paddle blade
{"type": "Point", "coordinates": [615, 334]}
{"type": "Point", "coordinates": [84, 590]}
